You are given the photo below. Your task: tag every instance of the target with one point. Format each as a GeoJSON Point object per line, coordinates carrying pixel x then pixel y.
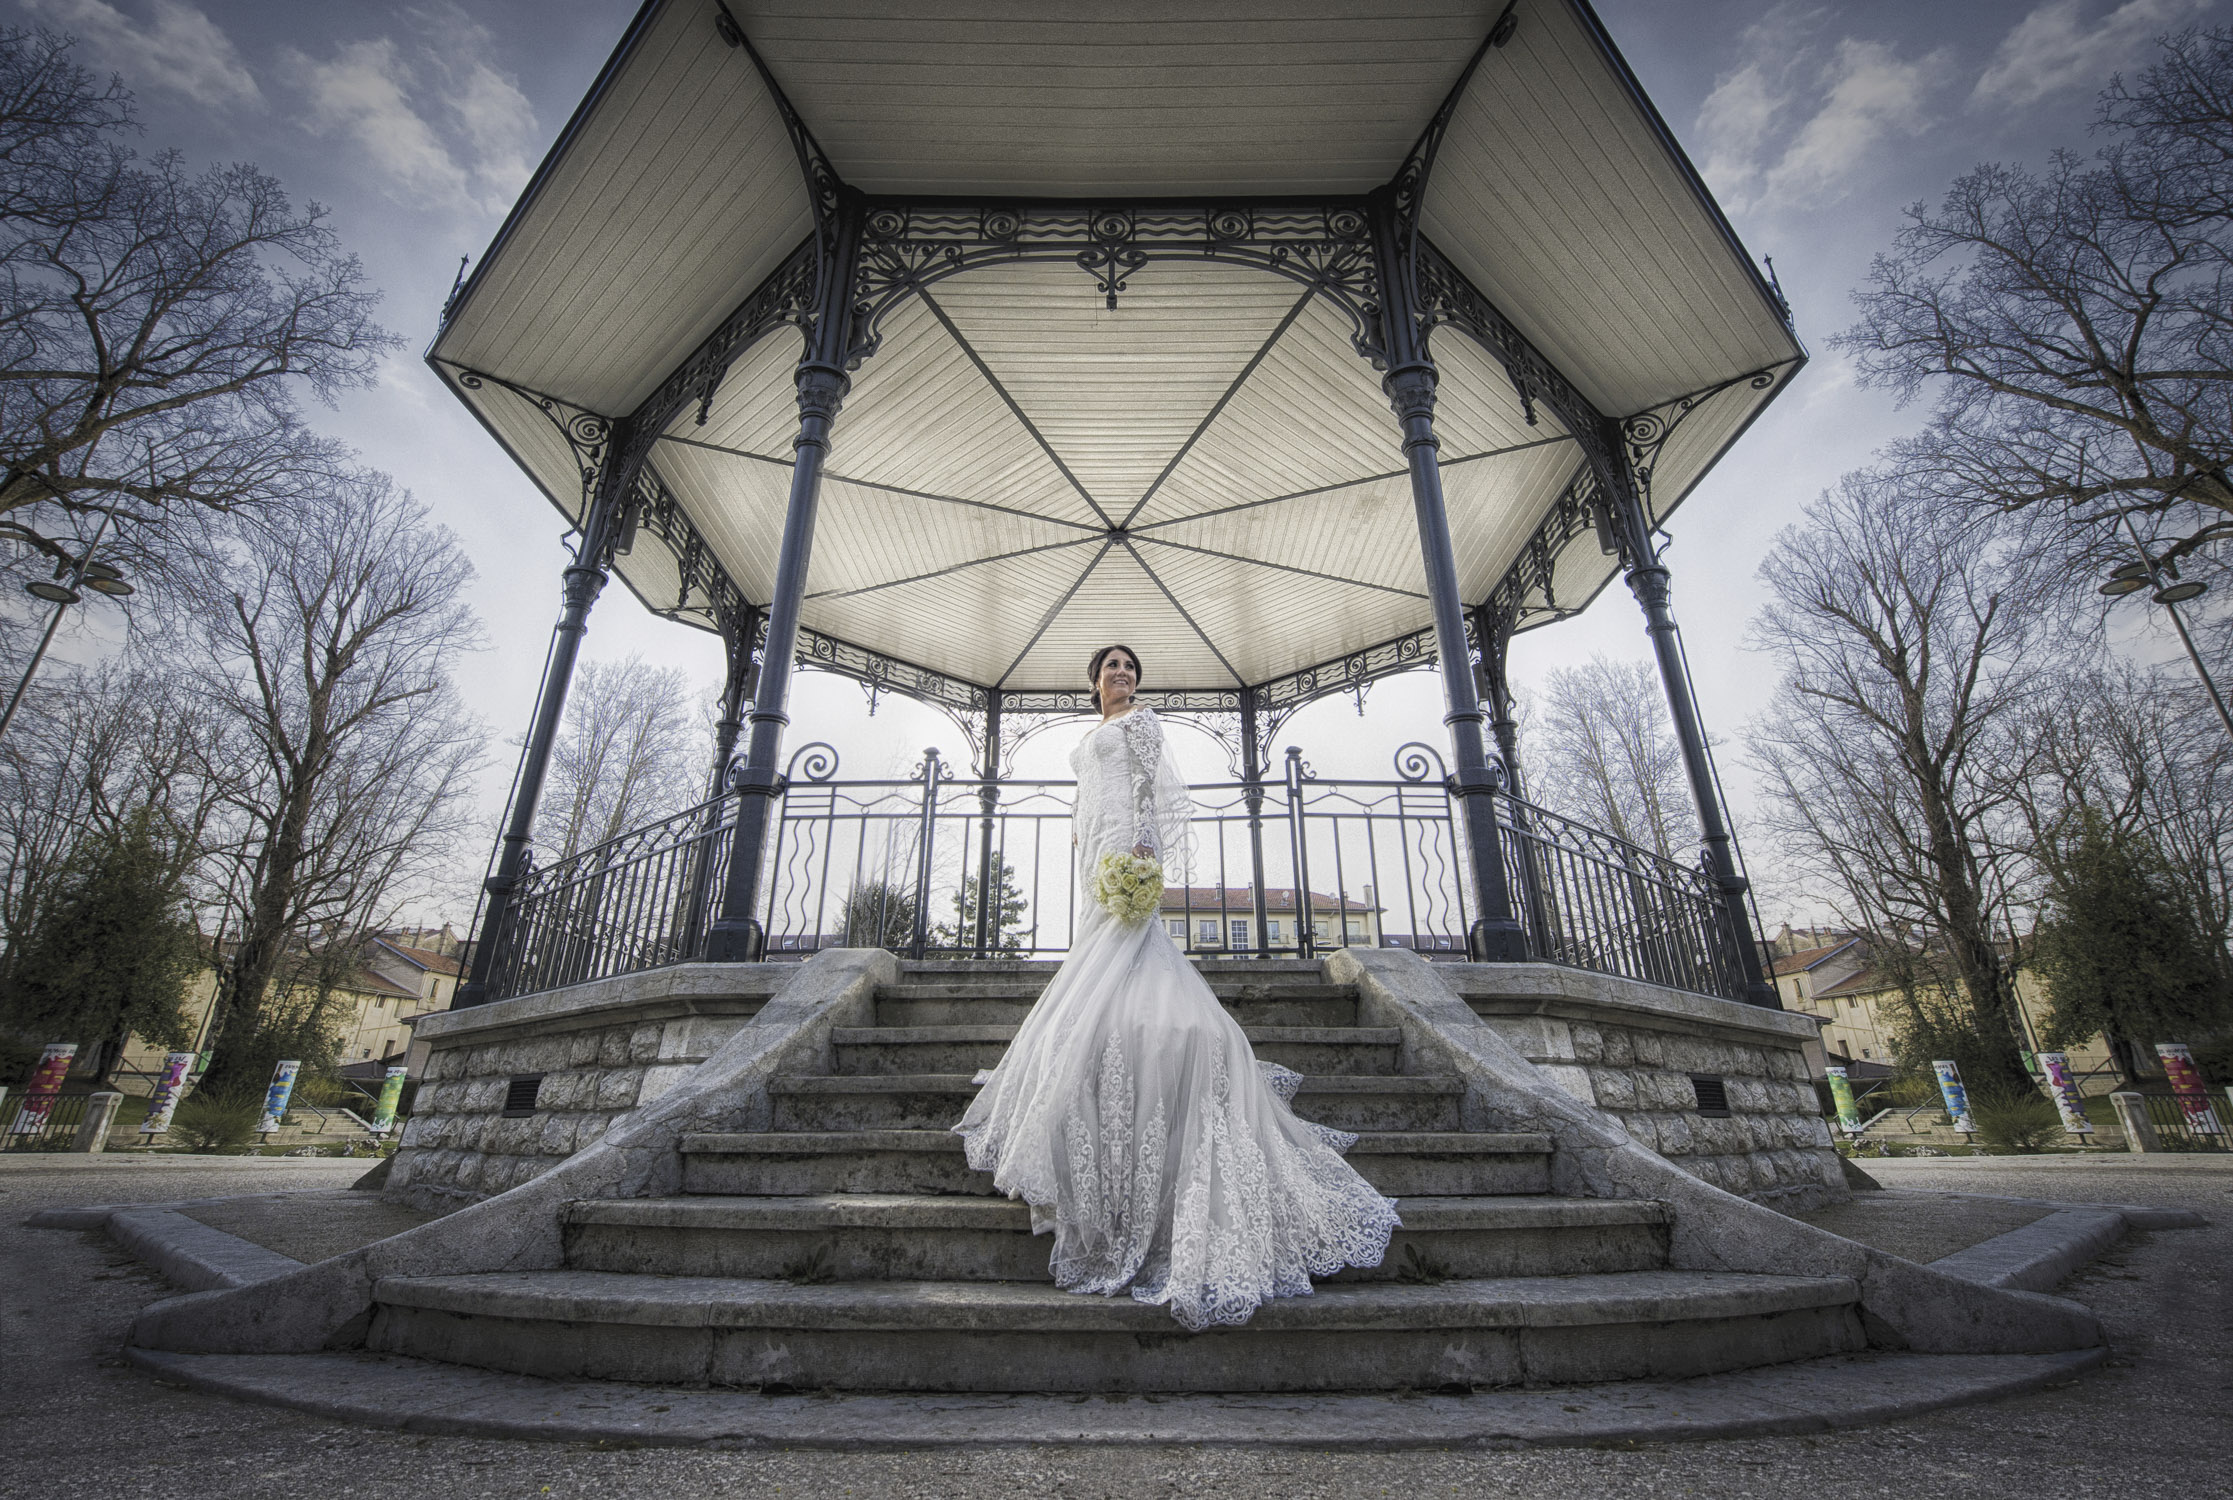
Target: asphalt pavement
{"type": "Point", "coordinates": [76, 1421]}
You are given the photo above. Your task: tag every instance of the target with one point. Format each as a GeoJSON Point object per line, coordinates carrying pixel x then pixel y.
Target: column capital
{"type": "Point", "coordinates": [1410, 391]}
{"type": "Point", "coordinates": [1652, 586]}
{"type": "Point", "coordinates": [822, 390]}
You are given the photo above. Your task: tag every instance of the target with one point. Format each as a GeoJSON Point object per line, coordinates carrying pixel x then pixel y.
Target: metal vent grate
{"type": "Point", "coordinates": [519, 1095]}
{"type": "Point", "coordinates": [1713, 1094]}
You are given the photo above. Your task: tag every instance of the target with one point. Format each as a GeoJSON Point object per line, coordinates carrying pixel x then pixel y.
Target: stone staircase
{"type": "Point", "coordinates": [851, 1247]}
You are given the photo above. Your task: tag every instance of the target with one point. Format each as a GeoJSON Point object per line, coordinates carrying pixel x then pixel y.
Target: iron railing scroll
{"type": "Point", "coordinates": [944, 867]}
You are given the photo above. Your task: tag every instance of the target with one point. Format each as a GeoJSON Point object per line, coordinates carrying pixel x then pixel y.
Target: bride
{"type": "Point", "coordinates": [1129, 1111]}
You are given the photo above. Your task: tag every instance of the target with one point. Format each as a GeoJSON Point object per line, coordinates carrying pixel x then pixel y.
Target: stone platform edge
{"type": "Point", "coordinates": [1843, 1391]}
{"type": "Point", "coordinates": [329, 1305]}
{"type": "Point", "coordinates": [1904, 1306]}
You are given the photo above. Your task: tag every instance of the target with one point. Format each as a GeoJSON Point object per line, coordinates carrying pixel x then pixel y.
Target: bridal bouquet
{"type": "Point", "coordinates": [1130, 886]}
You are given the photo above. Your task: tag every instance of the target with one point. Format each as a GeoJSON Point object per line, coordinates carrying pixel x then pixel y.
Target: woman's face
{"type": "Point", "coordinates": [1119, 675]}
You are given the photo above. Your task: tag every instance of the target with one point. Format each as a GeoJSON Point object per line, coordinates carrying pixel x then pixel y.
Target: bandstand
{"type": "Point", "coordinates": [1294, 345]}
{"type": "Point", "coordinates": [1292, 349]}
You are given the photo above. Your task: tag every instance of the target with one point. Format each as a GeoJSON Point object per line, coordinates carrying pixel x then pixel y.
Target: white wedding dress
{"type": "Point", "coordinates": [1132, 1116]}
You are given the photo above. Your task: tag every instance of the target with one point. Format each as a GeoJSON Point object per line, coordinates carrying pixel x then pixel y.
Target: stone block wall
{"type": "Point", "coordinates": [1633, 1050]}
{"type": "Point", "coordinates": [598, 1049]}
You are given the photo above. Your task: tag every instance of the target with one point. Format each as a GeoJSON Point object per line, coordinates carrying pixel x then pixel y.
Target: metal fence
{"type": "Point", "coordinates": [941, 866]}
{"type": "Point", "coordinates": [53, 1133]}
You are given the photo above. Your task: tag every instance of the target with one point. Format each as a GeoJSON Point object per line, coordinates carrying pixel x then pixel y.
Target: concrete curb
{"type": "Point", "coordinates": [2135, 1215]}
{"type": "Point", "coordinates": [417, 1396]}
{"type": "Point", "coordinates": [2040, 1254]}
{"type": "Point", "coordinates": [190, 1254]}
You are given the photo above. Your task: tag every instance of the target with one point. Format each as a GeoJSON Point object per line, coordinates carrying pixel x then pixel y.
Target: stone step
{"type": "Point", "coordinates": [915, 1237]}
{"type": "Point", "coordinates": [1289, 1000]}
{"type": "Point", "coordinates": [930, 1161]}
{"type": "Point", "coordinates": [890, 1050]}
{"type": "Point", "coordinates": [934, 1101]}
{"type": "Point", "coordinates": [778, 1336]}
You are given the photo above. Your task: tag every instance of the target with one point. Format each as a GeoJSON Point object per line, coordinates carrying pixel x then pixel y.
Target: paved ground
{"type": "Point", "coordinates": [74, 1420]}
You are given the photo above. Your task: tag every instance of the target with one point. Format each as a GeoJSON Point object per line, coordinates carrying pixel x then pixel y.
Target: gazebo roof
{"type": "Point", "coordinates": [1207, 470]}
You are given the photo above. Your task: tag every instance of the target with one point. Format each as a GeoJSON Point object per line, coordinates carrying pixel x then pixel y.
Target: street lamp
{"type": "Point", "coordinates": [2147, 572]}
{"type": "Point", "coordinates": [61, 593]}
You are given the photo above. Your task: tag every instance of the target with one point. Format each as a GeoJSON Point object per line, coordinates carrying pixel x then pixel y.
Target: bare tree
{"type": "Point", "coordinates": [156, 324]}
{"type": "Point", "coordinates": [2131, 747]}
{"type": "Point", "coordinates": [1600, 749]}
{"type": "Point", "coordinates": [633, 751]}
{"type": "Point", "coordinates": [1910, 645]}
{"type": "Point", "coordinates": [92, 751]}
{"type": "Point", "coordinates": [323, 635]}
{"type": "Point", "coordinates": [2073, 323]}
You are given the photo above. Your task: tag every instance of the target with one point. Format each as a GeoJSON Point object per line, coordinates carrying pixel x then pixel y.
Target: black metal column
{"type": "Point", "coordinates": [988, 797]}
{"type": "Point", "coordinates": [1492, 632]}
{"type": "Point", "coordinates": [581, 583]}
{"type": "Point", "coordinates": [1649, 581]}
{"type": "Point", "coordinates": [1252, 789]}
{"type": "Point", "coordinates": [1495, 937]}
{"type": "Point", "coordinates": [737, 639]}
{"type": "Point", "coordinates": [737, 936]}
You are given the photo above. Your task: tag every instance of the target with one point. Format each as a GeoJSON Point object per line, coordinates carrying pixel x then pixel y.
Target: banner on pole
{"type": "Point", "coordinates": [2063, 1089]}
{"type": "Point", "coordinates": [1849, 1111]}
{"type": "Point", "coordinates": [169, 1088]}
{"type": "Point", "coordinates": [275, 1097]}
{"type": "Point", "coordinates": [391, 1094]}
{"type": "Point", "coordinates": [1950, 1089]}
{"type": "Point", "coordinates": [2186, 1082]}
{"type": "Point", "coordinates": [45, 1088]}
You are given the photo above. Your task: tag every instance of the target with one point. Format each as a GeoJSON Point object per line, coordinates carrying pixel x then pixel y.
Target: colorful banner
{"type": "Point", "coordinates": [1950, 1089]}
{"type": "Point", "coordinates": [1849, 1111]}
{"type": "Point", "coordinates": [2186, 1082]}
{"type": "Point", "coordinates": [46, 1087]}
{"type": "Point", "coordinates": [275, 1097]}
{"type": "Point", "coordinates": [391, 1094]}
{"type": "Point", "coordinates": [2063, 1089]}
{"type": "Point", "coordinates": [169, 1089]}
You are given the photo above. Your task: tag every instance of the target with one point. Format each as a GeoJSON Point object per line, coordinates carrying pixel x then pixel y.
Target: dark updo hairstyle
{"type": "Point", "coordinates": [1093, 670]}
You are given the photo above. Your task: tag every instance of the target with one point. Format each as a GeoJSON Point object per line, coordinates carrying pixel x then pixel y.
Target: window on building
{"type": "Point", "coordinates": [1237, 933]}
{"type": "Point", "coordinates": [1208, 933]}
{"type": "Point", "coordinates": [366, 1053]}
{"type": "Point", "coordinates": [1866, 1053]}
{"type": "Point", "coordinates": [1272, 932]}
{"type": "Point", "coordinates": [1178, 928]}
{"type": "Point", "coordinates": [1318, 929]}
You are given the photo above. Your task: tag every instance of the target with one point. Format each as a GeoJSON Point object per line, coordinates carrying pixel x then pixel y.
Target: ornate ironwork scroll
{"type": "Point", "coordinates": [1645, 434]}
{"type": "Point", "coordinates": [909, 244]}
{"type": "Point", "coordinates": [587, 434]}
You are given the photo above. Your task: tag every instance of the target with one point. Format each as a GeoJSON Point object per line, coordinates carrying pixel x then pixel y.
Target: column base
{"type": "Point", "coordinates": [740, 943]}
{"type": "Point", "coordinates": [1493, 942]}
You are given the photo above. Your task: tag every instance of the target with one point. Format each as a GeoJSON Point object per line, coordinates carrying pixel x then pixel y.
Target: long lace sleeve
{"type": "Point", "coordinates": [1143, 737]}
{"type": "Point", "coordinates": [1162, 812]}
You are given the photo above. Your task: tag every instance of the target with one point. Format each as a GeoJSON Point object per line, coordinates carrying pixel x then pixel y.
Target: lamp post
{"type": "Point", "coordinates": [88, 574]}
{"type": "Point", "coordinates": [2147, 572]}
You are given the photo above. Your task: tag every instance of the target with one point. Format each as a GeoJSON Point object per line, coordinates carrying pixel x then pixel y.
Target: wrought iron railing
{"type": "Point", "coordinates": [640, 901]}
{"type": "Point", "coordinates": [1288, 868]}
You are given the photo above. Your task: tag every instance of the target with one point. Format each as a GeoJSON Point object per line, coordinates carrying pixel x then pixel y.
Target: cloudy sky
{"type": "Point", "coordinates": [417, 124]}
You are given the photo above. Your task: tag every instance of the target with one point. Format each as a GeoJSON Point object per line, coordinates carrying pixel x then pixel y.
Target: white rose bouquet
{"type": "Point", "coordinates": [1129, 886]}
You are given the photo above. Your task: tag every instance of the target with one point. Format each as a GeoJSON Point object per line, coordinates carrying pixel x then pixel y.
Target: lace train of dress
{"type": "Point", "coordinates": [1133, 1117]}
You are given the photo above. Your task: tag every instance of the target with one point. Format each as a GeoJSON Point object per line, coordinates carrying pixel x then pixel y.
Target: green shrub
{"type": "Point", "coordinates": [2023, 1122]}
{"type": "Point", "coordinates": [209, 1123]}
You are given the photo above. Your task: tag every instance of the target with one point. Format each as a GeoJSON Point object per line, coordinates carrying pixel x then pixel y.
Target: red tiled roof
{"type": "Point", "coordinates": [365, 982]}
{"type": "Point", "coordinates": [1807, 958]}
{"type": "Point", "coordinates": [425, 958]}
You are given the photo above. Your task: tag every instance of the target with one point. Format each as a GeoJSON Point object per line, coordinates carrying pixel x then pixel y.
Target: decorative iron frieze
{"type": "Point", "coordinates": [909, 244]}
